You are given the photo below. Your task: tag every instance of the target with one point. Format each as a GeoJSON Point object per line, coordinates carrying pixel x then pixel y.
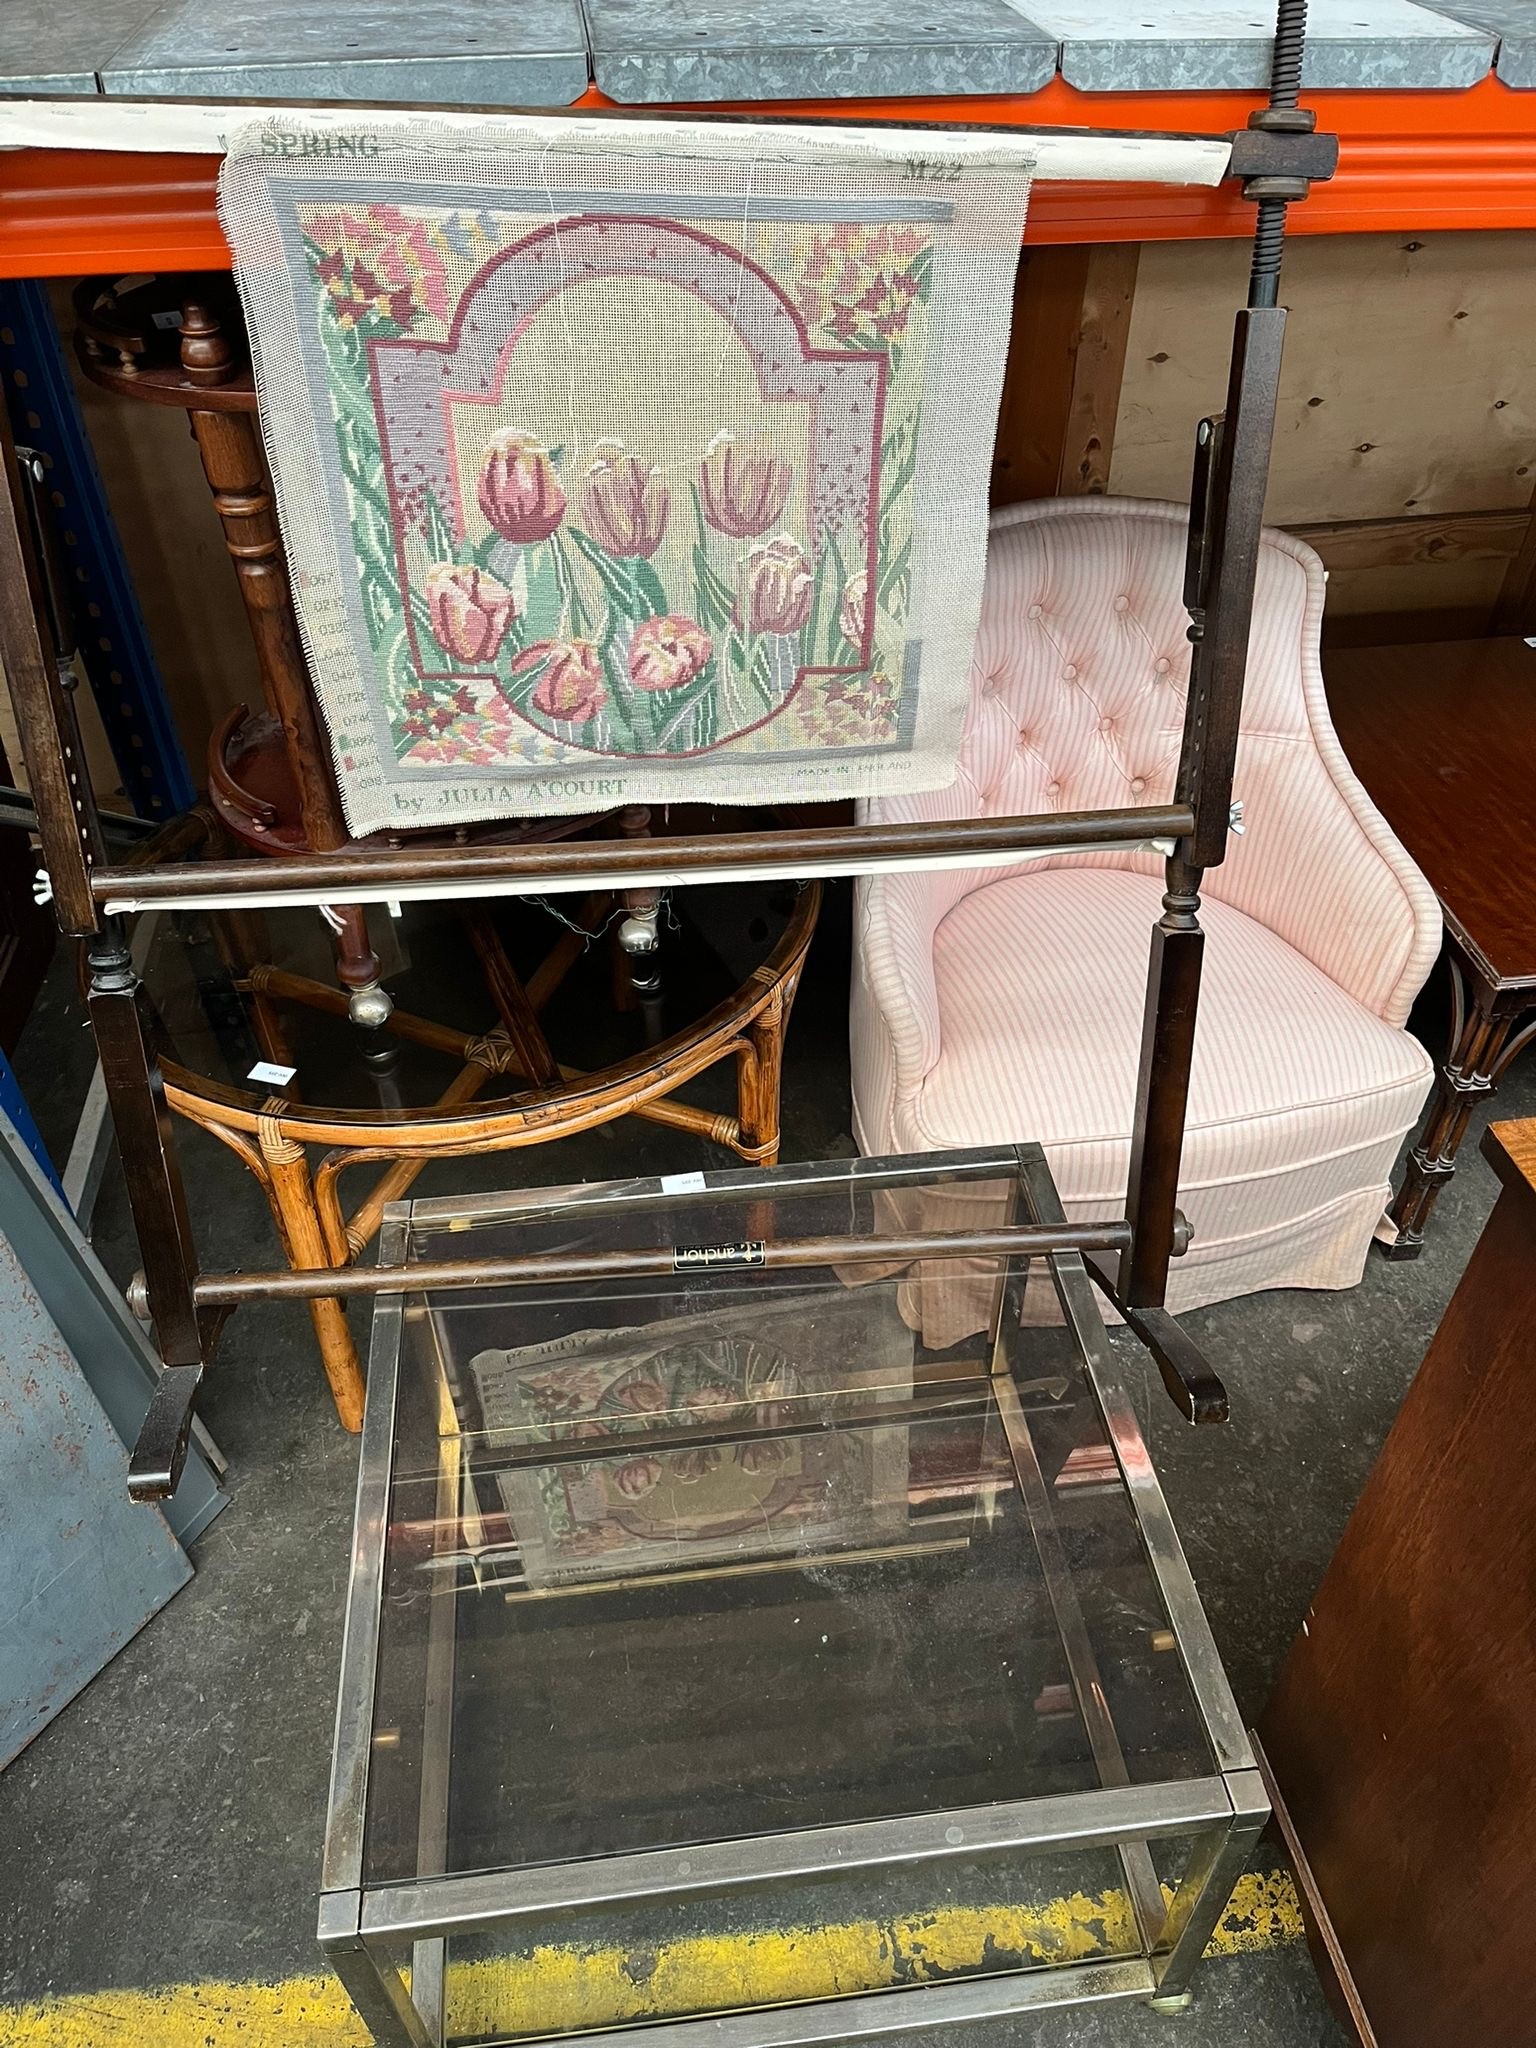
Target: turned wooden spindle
{"type": "Point", "coordinates": [206, 355]}
{"type": "Point", "coordinates": [242, 498]}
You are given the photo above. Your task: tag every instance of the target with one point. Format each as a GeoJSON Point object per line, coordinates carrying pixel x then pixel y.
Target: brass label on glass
{"type": "Point", "coordinates": [750, 1252]}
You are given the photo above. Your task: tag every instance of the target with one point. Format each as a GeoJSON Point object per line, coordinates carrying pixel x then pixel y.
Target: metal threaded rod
{"type": "Point", "coordinates": [1284, 91]}
{"type": "Point", "coordinates": [1268, 249]}
{"type": "Point", "coordinates": [1290, 44]}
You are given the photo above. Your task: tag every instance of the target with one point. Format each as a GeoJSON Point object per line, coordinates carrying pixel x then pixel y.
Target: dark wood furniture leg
{"type": "Point", "coordinates": [1400, 1735]}
{"type": "Point", "coordinates": [638, 938]}
{"type": "Point", "coordinates": [1456, 791]}
{"type": "Point", "coordinates": [141, 1118]}
{"type": "Point", "coordinates": [1480, 1054]}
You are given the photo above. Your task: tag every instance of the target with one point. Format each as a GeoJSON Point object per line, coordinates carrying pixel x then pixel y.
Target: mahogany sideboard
{"type": "Point", "coordinates": [1401, 1739]}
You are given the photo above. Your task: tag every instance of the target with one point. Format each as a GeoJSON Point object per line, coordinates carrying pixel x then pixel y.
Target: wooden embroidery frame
{"type": "Point", "coordinates": [1275, 160]}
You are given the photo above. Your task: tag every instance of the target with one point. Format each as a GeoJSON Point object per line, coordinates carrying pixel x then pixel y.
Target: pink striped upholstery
{"type": "Point", "coordinates": [1006, 1004]}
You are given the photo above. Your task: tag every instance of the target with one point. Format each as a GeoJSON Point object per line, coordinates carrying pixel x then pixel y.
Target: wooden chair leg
{"type": "Point", "coordinates": [357, 966]}
{"type": "Point", "coordinates": [291, 1192]}
{"type": "Point", "coordinates": [639, 940]}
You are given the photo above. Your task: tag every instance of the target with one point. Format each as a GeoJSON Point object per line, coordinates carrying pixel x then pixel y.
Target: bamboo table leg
{"type": "Point", "coordinates": [518, 1017]}
{"type": "Point", "coordinates": [759, 1078]}
{"type": "Point", "coordinates": [292, 1194]}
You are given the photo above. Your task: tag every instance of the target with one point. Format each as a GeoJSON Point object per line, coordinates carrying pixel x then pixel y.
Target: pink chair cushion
{"type": "Point", "coordinates": [1040, 994]}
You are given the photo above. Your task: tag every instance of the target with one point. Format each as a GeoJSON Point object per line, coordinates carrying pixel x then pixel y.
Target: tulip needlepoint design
{"type": "Point", "coordinates": [638, 559]}
{"type": "Point", "coordinates": [611, 473]}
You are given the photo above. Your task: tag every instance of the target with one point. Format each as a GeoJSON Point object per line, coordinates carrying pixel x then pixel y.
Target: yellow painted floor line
{"type": "Point", "coordinates": [565, 1988]}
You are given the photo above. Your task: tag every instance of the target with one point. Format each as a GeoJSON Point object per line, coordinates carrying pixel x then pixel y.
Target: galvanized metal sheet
{"type": "Point", "coordinates": [82, 1567]}
{"type": "Point", "coordinates": [1514, 23]}
{"type": "Point", "coordinates": [54, 46]}
{"type": "Point", "coordinates": [91, 1318]}
{"type": "Point", "coordinates": [437, 52]}
{"type": "Point", "coordinates": [378, 52]}
{"type": "Point", "coordinates": [646, 51]}
{"type": "Point", "coordinates": [1176, 46]}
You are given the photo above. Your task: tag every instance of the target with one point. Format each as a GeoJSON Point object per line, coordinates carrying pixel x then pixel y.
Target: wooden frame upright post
{"type": "Point", "coordinates": [141, 1118]}
{"type": "Point", "coordinates": [1226, 521]}
{"type": "Point", "coordinates": [70, 829]}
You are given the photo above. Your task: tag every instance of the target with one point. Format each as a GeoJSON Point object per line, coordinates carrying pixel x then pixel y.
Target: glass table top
{"type": "Point", "coordinates": [723, 1551]}
{"type": "Point", "coordinates": [216, 1025]}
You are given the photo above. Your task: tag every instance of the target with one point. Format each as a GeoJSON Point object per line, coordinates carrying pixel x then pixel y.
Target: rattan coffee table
{"type": "Point", "coordinates": [694, 1590]}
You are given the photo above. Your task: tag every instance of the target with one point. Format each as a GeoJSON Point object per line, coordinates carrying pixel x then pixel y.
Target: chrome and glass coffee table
{"type": "Point", "coordinates": [697, 1599]}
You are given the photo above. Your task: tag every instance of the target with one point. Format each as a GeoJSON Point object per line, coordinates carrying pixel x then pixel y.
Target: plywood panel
{"type": "Point", "coordinates": [1465, 593]}
{"type": "Point", "coordinates": [1419, 540]}
{"type": "Point", "coordinates": [1409, 384]}
{"type": "Point", "coordinates": [1442, 573]}
{"type": "Point", "coordinates": [1066, 355]}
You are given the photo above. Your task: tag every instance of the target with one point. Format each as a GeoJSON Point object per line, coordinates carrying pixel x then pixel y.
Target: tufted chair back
{"type": "Point", "coordinates": [1081, 669]}
{"type": "Point", "coordinates": [1082, 662]}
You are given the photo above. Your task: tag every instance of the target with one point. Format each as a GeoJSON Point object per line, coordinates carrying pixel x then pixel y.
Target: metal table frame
{"type": "Point", "coordinates": [364, 1927]}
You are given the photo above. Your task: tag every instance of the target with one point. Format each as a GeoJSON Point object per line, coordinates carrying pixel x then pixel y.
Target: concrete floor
{"type": "Point", "coordinates": [166, 1828]}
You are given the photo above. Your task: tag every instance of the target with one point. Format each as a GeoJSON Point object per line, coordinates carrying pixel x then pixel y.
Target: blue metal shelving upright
{"type": "Point", "coordinates": [115, 648]}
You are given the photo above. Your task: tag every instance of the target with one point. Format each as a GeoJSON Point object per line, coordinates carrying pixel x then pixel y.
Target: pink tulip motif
{"type": "Point", "coordinates": [519, 492]}
{"type": "Point", "coordinates": [778, 582]}
{"type": "Point", "coordinates": [638, 1477]}
{"type": "Point", "coordinates": [853, 612]}
{"type": "Point", "coordinates": [624, 504]}
{"type": "Point", "coordinates": [666, 652]}
{"type": "Point", "coordinates": [571, 686]}
{"type": "Point", "coordinates": [470, 611]}
{"type": "Point", "coordinates": [742, 494]}
{"type": "Point", "coordinates": [643, 1397]}
{"type": "Point", "coordinates": [762, 1456]}
{"type": "Point", "coordinates": [689, 1467]}
{"type": "Point", "coordinates": [713, 1398]}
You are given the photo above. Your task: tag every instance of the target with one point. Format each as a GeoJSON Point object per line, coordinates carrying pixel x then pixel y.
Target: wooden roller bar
{"type": "Point", "coordinates": [376, 873]}
{"type": "Point", "coordinates": [1019, 1241]}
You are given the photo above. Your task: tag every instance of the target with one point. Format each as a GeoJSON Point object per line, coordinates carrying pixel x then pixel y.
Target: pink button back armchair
{"type": "Point", "coordinates": [1005, 1004]}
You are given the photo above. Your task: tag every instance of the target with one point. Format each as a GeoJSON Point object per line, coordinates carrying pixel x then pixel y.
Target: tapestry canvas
{"type": "Point", "coordinates": [636, 1507]}
{"type": "Point", "coordinates": [629, 461]}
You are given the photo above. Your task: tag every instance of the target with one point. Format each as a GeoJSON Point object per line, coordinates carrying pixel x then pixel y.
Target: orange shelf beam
{"type": "Point", "coordinates": [1408, 161]}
